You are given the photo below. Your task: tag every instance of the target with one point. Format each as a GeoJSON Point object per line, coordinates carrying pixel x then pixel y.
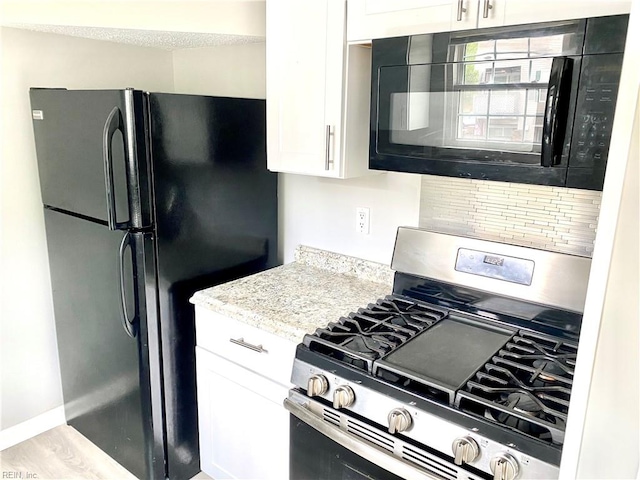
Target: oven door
{"type": "Point", "coordinates": [314, 455]}
{"type": "Point", "coordinates": [327, 443]}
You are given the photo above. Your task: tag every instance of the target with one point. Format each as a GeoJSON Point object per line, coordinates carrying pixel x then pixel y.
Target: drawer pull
{"type": "Point", "coordinates": [240, 341]}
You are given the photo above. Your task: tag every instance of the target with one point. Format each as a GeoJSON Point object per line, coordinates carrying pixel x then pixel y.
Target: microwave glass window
{"type": "Point", "coordinates": [490, 96]}
{"type": "Point", "coordinates": [507, 113]}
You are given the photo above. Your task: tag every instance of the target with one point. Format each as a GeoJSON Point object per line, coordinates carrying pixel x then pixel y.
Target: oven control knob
{"type": "Point", "coordinates": [399, 420]}
{"type": "Point", "coordinates": [504, 467]}
{"type": "Point", "coordinates": [465, 450]}
{"type": "Point", "coordinates": [317, 385]}
{"type": "Point", "coordinates": [343, 396]}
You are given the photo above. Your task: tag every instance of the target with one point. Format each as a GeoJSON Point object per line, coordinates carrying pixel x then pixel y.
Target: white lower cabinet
{"type": "Point", "coordinates": [244, 429]}
{"type": "Point", "coordinates": [242, 375]}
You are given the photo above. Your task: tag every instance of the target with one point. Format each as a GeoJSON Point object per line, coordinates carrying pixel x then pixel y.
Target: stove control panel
{"type": "Point", "coordinates": [317, 385]}
{"type": "Point", "coordinates": [420, 425]}
{"type": "Point", "coordinates": [343, 396]}
{"type": "Point", "coordinates": [504, 467]}
{"type": "Point", "coordinates": [465, 450]}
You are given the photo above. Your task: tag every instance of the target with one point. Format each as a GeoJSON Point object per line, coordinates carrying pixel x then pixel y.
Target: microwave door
{"type": "Point", "coordinates": [488, 110]}
{"type": "Point", "coordinates": [556, 111]}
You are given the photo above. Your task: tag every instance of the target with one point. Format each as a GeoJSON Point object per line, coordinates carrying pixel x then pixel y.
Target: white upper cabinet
{"type": "Point", "coordinates": [316, 123]}
{"type": "Point", "coordinates": [519, 12]}
{"type": "Point", "coordinates": [368, 19]}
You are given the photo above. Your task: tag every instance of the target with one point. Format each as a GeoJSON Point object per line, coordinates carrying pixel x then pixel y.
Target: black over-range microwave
{"type": "Point", "coordinates": [528, 103]}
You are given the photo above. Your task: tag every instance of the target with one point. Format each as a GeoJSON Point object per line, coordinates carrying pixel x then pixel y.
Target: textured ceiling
{"type": "Point", "coordinates": [146, 38]}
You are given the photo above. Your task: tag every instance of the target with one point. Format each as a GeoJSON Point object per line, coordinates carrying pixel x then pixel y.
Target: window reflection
{"type": "Point", "coordinates": [509, 106]}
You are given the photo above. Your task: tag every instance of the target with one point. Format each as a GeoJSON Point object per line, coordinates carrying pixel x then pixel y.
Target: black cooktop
{"type": "Point", "coordinates": [487, 367]}
{"type": "Point", "coordinates": [491, 306]}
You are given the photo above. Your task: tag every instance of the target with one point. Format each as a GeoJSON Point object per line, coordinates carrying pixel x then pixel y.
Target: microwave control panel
{"type": "Point", "coordinates": [595, 108]}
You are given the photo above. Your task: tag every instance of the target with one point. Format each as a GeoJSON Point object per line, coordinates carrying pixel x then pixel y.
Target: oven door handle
{"type": "Point", "coordinates": [556, 111]}
{"type": "Point", "coordinates": [369, 452]}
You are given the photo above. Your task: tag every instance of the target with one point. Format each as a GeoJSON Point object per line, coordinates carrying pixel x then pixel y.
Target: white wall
{"type": "Point", "coordinates": [30, 375]}
{"type": "Point", "coordinates": [321, 213]}
{"type": "Point", "coordinates": [313, 211]}
{"type": "Point", "coordinates": [227, 71]}
{"type": "Point", "coordinates": [613, 415]}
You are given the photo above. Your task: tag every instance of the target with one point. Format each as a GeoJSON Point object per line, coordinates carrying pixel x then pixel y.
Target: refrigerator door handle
{"type": "Point", "coordinates": [129, 324]}
{"type": "Point", "coordinates": [114, 123]}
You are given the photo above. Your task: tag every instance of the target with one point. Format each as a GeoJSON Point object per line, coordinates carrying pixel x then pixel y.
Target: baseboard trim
{"type": "Point", "coordinates": [23, 431]}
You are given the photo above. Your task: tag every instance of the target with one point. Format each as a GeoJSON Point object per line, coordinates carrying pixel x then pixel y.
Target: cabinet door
{"type": "Point", "coordinates": [464, 14]}
{"type": "Point", "coordinates": [518, 12]}
{"type": "Point", "coordinates": [305, 51]}
{"type": "Point", "coordinates": [243, 427]}
{"type": "Point", "coordinates": [491, 13]}
{"type": "Point", "coordinates": [368, 19]}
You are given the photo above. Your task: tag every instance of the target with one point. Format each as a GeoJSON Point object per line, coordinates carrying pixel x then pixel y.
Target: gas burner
{"type": "Point", "coordinates": [539, 360]}
{"type": "Point", "coordinates": [548, 370]}
{"type": "Point", "coordinates": [526, 386]}
{"type": "Point", "coordinates": [527, 404]}
{"type": "Point", "coordinates": [523, 402]}
{"type": "Point", "coordinates": [495, 380]}
{"type": "Point", "coordinates": [374, 331]}
{"type": "Point", "coordinates": [359, 343]}
{"type": "Point", "coordinates": [351, 335]}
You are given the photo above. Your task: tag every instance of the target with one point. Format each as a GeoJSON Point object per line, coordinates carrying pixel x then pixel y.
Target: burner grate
{"type": "Point", "coordinates": [526, 386]}
{"type": "Point", "coordinates": [374, 331]}
{"type": "Point", "coordinates": [443, 294]}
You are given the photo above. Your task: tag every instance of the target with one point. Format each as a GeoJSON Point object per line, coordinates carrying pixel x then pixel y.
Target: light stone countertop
{"type": "Point", "coordinates": [294, 299]}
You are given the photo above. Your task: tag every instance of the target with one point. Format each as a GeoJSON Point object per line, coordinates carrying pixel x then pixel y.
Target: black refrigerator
{"type": "Point", "coordinates": [147, 198]}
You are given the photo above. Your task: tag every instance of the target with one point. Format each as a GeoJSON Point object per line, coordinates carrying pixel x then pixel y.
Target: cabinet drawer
{"type": "Point", "coordinates": [251, 347]}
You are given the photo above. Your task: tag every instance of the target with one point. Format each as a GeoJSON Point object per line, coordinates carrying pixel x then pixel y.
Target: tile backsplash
{"type": "Point", "coordinates": [548, 218]}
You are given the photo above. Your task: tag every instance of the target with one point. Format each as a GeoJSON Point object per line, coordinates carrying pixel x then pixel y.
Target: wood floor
{"type": "Point", "coordinates": [62, 454]}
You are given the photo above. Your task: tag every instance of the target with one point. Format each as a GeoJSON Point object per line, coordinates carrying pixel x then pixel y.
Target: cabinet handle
{"type": "Point", "coordinates": [327, 161]}
{"type": "Point", "coordinates": [461, 9]}
{"type": "Point", "coordinates": [240, 341]}
{"type": "Point", "coordinates": [487, 6]}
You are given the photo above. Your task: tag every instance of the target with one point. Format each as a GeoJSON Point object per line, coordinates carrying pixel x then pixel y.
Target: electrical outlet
{"type": "Point", "coordinates": [362, 220]}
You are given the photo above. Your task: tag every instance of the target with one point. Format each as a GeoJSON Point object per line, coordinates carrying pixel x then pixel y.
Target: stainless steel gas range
{"type": "Point", "coordinates": [463, 372]}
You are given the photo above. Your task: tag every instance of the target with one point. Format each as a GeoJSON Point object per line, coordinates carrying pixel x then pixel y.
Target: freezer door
{"type": "Point", "coordinates": [216, 220]}
{"type": "Point", "coordinates": [107, 360]}
{"type": "Point", "coordinates": [91, 154]}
